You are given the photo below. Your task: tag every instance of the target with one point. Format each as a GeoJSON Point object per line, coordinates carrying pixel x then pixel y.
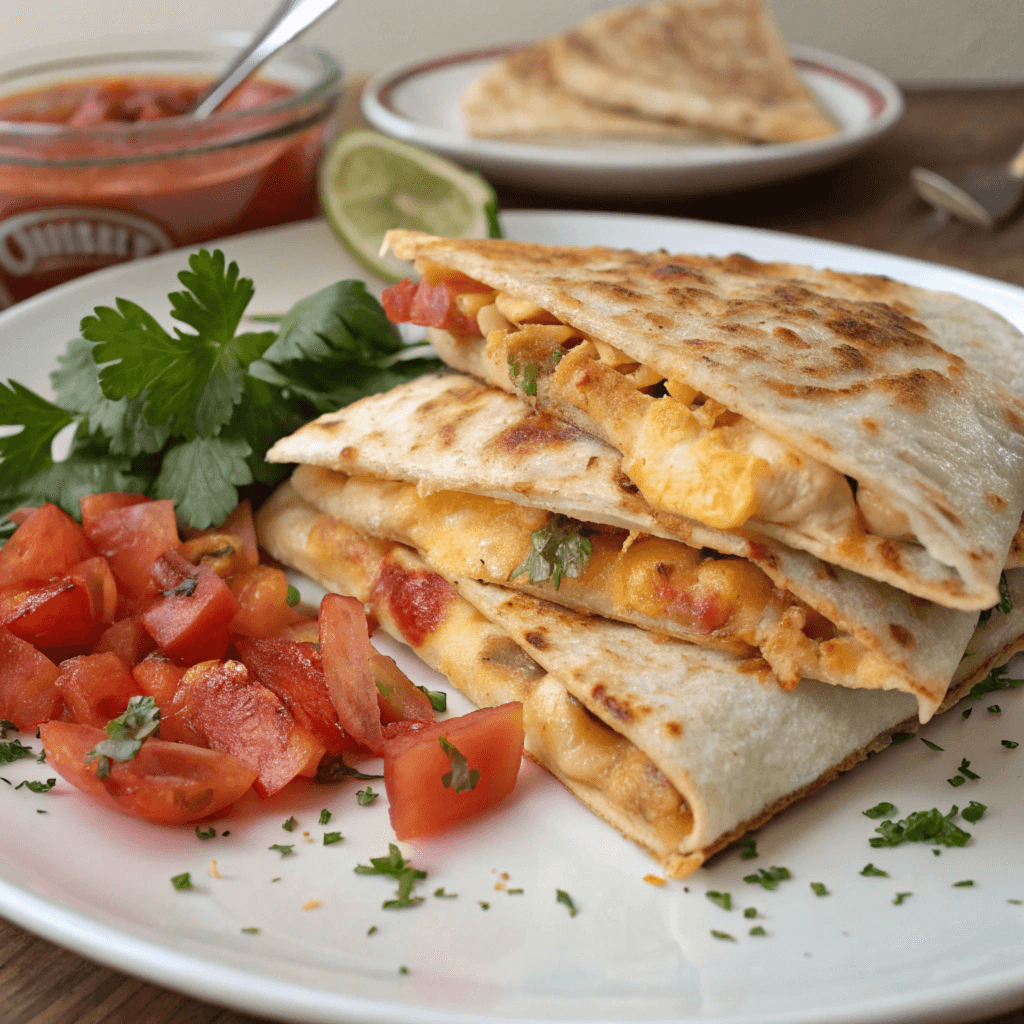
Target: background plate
{"type": "Point", "coordinates": [99, 883]}
{"type": "Point", "coordinates": [421, 103]}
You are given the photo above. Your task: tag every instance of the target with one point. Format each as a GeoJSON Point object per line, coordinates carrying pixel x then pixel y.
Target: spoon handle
{"type": "Point", "coordinates": [290, 19]}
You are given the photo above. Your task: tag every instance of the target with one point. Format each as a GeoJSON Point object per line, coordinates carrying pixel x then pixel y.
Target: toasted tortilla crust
{"type": "Point", "coordinates": [734, 745]}
{"type": "Point", "coordinates": [862, 373]}
{"type": "Point", "coordinates": [717, 63]}
{"type": "Point", "coordinates": [520, 98]}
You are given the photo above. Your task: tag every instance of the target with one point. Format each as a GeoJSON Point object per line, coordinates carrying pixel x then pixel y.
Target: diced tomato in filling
{"type": "Point", "coordinates": [295, 673]}
{"type": "Point", "coordinates": [415, 766]}
{"type": "Point", "coordinates": [262, 595]}
{"type": "Point", "coordinates": [165, 783]}
{"type": "Point", "coordinates": [237, 715]}
{"type": "Point", "coordinates": [47, 544]}
{"type": "Point", "coordinates": [127, 639]}
{"type": "Point", "coordinates": [431, 304]}
{"type": "Point", "coordinates": [132, 538]}
{"type": "Point", "coordinates": [705, 610]}
{"type": "Point", "coordinates": [96, 688]}
{"type": "Point", "coordinates": [189, 616]}
{"type": "Point", "coordinates": [94, 506]}
{"type": "Point", "coordinates": [28, 683]}
{"type": "Point", "coordinates": [68, 610]}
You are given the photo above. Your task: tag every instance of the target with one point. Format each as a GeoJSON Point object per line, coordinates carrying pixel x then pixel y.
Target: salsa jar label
{"type": "Point", "coordinates": [43, 247]}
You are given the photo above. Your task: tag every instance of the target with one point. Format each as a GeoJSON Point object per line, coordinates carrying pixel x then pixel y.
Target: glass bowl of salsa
{"type": "Point", "coordinates": [99, 162]}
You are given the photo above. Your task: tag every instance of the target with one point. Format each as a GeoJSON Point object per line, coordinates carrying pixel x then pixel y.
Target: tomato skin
{"type": "Point", "coordinates": [96, 688]}
{"type": "Point", "coordinates": [158, 677]}
{"type": "Point", "coordinates": [237, 715]}
{"type": "Point", "coordinates": [189, 627]}
{"type": "Point", "coordinates": [132, 537]}
{"type": "Point", "coordinates": [47, 544]}
{"type": "Point", "coordinates": [241, 524]}
{"type": "Point", "coordinates": [165, 783]}
{"type": "Point", "coordinates": [398, 697]}
{"type": "Point", "coordinates": [127, 639]}
{"type": "Point", "coordinates": [93, 506]}
{"type": "Point", "coordinates": [28, 683]}
{"type": "Point", "coordinates": [490, 739]}
{"type": "Point", "coordinates": [262, 595]}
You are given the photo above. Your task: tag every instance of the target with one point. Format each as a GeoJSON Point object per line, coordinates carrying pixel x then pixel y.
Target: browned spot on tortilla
{"type": "Point", "coordinates": [890, 554]}
{"type": "Point", "coordinates": [913, 389]}
{"type": "Point", "coordinates": [901, 634]}
{"type": "Point", "coordinates": [658, 319]}
{"type": "Point", "coordinates": [870, 426]}
{"type": "Point", "coordinates": [616, 707]}
{"type": "Point", "coordinates": [790, 338]}
{"type": "Point", "coordinates": [754, 667]}
{"type": "Point", "coordinates": [850, 358]}
{"type": "Point", "coordinates": [348, 452]}
{"type": "Point", "coordinates": [678, 270]}
{"type": "Point", "coordinates": [674, 729]}
{"type": "Point", "coordinates": [533, 434]}
{"type": "Point", "coordinates": [1015, 421]}
{"type": "Point", "coordinates": [446, 435]}
{"type": "Point", "coordinates": [996, 502]}
{"type": "Point", "coordinates": [535, 639]}
{"type": "Point", "coordinates": [737, 263]}
{"type": "Point", "coordinates": [983, 555]}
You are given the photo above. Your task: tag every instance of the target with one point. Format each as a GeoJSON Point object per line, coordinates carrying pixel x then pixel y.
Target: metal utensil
{"type": "Point", "coordinates": [981, 197]}
{"type": "Point", "coordinates": [289, 20]}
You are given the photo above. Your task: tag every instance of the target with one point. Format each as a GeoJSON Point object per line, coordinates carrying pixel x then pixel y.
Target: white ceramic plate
{"type": "Point", "coordinates": [99, 883]}
{"type": "Point", "coordinates": [420, 103]}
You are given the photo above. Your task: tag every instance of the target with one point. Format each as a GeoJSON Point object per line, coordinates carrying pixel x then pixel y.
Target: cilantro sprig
{"type": "Point", "coordinates": [932, 827]}
{"type": "Point", "coordinates": [125, 734]}
{"type": "Point", "coordinates": [395, 866]}
{"type": "Point", "coordinates": [189, 413]}
{"type": "Point", "coordinates": [557, 550]}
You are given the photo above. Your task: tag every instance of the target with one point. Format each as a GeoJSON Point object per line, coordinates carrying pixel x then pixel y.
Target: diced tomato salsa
{"type": "Point", "coordinates": [431, 304]}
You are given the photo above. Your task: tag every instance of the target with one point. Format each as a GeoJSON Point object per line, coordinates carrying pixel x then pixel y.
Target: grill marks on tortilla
{"type": "Point", "coordinates": [534, 434]}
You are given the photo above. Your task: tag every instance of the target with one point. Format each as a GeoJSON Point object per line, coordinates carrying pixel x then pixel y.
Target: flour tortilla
{"type": "Point", "coordinates": [870, 377]}
{"type": "Point", "coordinates": [447, 432]}
{"type": "Point", "coordinates": [717, 63]}
{"type": "Point", "coordinates": [519, 98]}
{"type": "Point", "coordinates": [682, 749]}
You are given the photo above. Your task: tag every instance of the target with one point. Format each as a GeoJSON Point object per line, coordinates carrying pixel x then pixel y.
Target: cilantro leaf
{"type": "Point", "coordinates": [206, 831]}
{"type": "Point", "coordinates": [282, 849]}
{"type": "Point", "coordinates": [290, 825]}
{"type": "Point", "coordinates": [748, 849]}
{"type": "Point", "coordinates": [997, 679]}
{"type": "Point", "coordinates": [820, 889]}
{"type": "Point", "coordinates": [395, 866]}
{"type": "Point", "coordinates": [561, 896]}
{"type": "Point", "coordinates": [556, 550]}
{"type": "Point", "coordinates": [769, 878]}
{"type": "Point", "coordinates": [330, 838]}
{"type": "Point", "coordinates": [872, 872]}
{"type": "Point", "coordinates": [723, 935]}
{"type": "Point", "coordinates": [1010, 744]}
{"type": "Point", "coordinates": [461, 778]}
{"type": "Point", "coordinates": [965, 884]}
{"type": "Point", "coordinates": [125, 734]}
{"type": "Point", "coordinates": [922, 827]}
{"type": "Point", "coordinates": [202, 477]}
{"type": "Point", "coordinates": [37, 787]}
{"type": "Point", "coordinates": [215, 297]}
{"type": "Point", "coordinates": [365, 797]}
{"type": "Point", "coordinates": [757, 930]}
{"type": "Point", "coordinates": [438, 698]}
{"type": "Point", "coordinates": [723, 899]}
{"type": "Point", "coordinates": [325, 816]}
{"type": "Point", "coordinates": [29, 450]}
{"type": "Point", "coordinates": [973, 812]}
{"type": "Point", "coordinates": [882, 810]}
{"type": "Point", "coordinates": [901, 897]}
{"type": "Point", "coordinates": [929, 744]}
{"type": "Point", "coordinates": [1005, 605]}
{"type": "Point", "coordinates": [965, 770]}
{"type": "Point", "coordinates": [182, 881]}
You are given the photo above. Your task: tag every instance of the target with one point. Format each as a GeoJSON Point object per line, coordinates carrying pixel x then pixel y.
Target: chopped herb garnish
{"type": "Point", "coordinates": [483, 905]}
{"type": "Point", "coordinates": [994, 709]}
{"type": "Point", "coordinates": [289, 825]}
{"type": "Point", "coordinates": [330, 838]}
{"type": "Point", "coordinates": [278, 879]}
{"type": "Point", "coordinates": [901, 897]}
{"type": "Point", "coordinates": [722, 935]}
{"type": "Point", "coordinates": [965, 884]}
{"type": "Point", "coordinates": [182, 881]}
{"type": "Point", "coordinates": [757, 930]}
{"type": "Point", "coordinates": [13, 750]}
{"type": "Point", "coordinates": [336, 770]}
{"type": "Point", "coordinates": [723, 899]}
{"type": "Point", "coordinates": [1010, 744]}
{"type": "Point", "coordinates": [325, 816]}
{"type": "Point", "coordinates": [965, 769]}
{"type": "Point", "coordinates": [403, 969]}
{"type": "Point", "coordinates": [902, 737]}
{"type": "Point", "coordinates": [283, 850]}
{"type": "Point", "coordinates": [768, 877]}
{"type": "Point", "coordinates": [366, 796]}
{"type": "Point", "coordinates": [882, 810]}
{"type": "Point", "coordinates": [293, 596]}
{"type": "Point", "coordinates": [561, 896]}
{"type": "Point", "coordinates": [967, 713]}
{"type": "Point", "coordinates": [394, 865]}
{"type": "Point", "coordinates": [371, 929]}
{"type": "Point", "coordinates": [514, 892]}
{"type": "Point", "coordinates": [186, 588]}
{"type": "Point", "coordinates": [820, 889]}
{"type": "Point", "coordinates": [528, 373]}
{"type": "Point", "coordinates": [1016, 903]}
{"type": "Point", "coordinates": [556, 551]}
{"type": "Point", "coordinates": [922, 827]}
{"type": "Point", "coordinates": [929, 744]}
{"type": "Point", "coordinates": [957, 780]}
{"type": "Point", "coordinates": [461, 778]}
{"type": "Point", "coordinates": [748, 849]}
{"type": "Point", "coordinates": [206, 831]}
{"type": "Point", "coordinates": [382, 688]}
{"type": "Point", "coordinates": [37, 787]}
{"type": "Point", "coordinates": [936, 852]}
{"type": "Point", "coordinates": [442, 895]}
{"type": "Point", "coordinates": [997, 679]}
{"type": "Point", "coordinates": [750, 912]}
{"type": "Point", "coordinates": [39, 810]}
{"type": "Point", "coordinates": [438, 698]}
{"type": "Point", "coordinates": [1005, 601]}
{"type": "Point", "coordinates": [872, 872]}
{"type": "Point", "coordinates": [973, 812]}
{"type": "Point", "coordinates": [250, 931]}
{"type": "Point", "coordinates": [125, 734]}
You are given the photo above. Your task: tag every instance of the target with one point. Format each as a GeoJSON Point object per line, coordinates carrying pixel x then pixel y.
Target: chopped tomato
{"type": "Point", "coordinates": [158, 677]}
{"type": "Point", "coordinates": [295, 673]}
{"type": "Point", "coordinates": [417, 599]}
{"type": "Point", "coordinates": [19, 515]}
{"type": "Point", "coordinates": [303, 631]}
{"type": "Point", "coordinates": [96, 688]}
{"type": "Point", "coordinates": [132, 537]}
{"type": "Point", "coordinates": [237, 715]}
{"type": "Point", "coordinates": [189, 616]}
{"type": "Point", "coordinates": [262, 595]}
{"type": "Point", "coordinates": [127, 639]}
{"type": "Point", "coordinates": [94, 506]}
{"type": "Point", "coordinates": [28, 683]}
{"type": "Point", "coordinates": [398, 697]}
{"type": "Point", "coordinates": [166, 783]}
{"type": "Point", "coordinates": [432, 304]}
{"type": "Point", "coordinates": [415, 764]}
{"type": "Point", "coordinates": [65, 611]}
{"type": "Point", "coordinates": [47, 544]}
{"type": "Point", "coordinates": [241, 524]}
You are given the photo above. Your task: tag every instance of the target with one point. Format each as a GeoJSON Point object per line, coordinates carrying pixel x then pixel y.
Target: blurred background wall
{"type": "Point", "coordinates": [931, 42]}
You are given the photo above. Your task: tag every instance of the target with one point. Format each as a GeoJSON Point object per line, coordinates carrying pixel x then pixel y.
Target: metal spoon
{"type": "Point", "coordinates": [982, 198]}
{"type": "Point", "coordinates": [289, 20]}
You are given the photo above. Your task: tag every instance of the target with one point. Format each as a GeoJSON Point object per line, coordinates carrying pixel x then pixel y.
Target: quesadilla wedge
{"type": "Point", "coordinates": [681, 749]}
{"type": "Point", "coordinates": [459, 445]}
{"type": "Point", "coordinates": [721, 64]}
{"type": "Point", "coordinates": [840, 414]}
{"type": "Point", "coordinates": [519, 98]}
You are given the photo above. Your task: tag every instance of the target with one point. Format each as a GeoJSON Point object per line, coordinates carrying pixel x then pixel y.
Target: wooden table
{"type": "Point", "coordinates": [867, 201]}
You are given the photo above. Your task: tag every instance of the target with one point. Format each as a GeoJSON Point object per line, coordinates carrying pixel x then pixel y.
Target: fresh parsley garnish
{"type": "Point", "coordinates": [206, 831]}
{"type": "Point", "coordinates": [514, 892]}
{"type": "Point", "coordinates": [997, 679]}
{"type": "Point", "coordinates": [750, 912]}
{"type": "Point", "coordinates": [922, 827]}
{"type": "Point", "coordinates": [557, 550]}
{"type": "Point", "coordinates": [901, 897]}
{"type": "Point", "coordinates": [967, 713]}
{"type": "Point", "coordinates": [722, 935]}
{"type": "Point", "coordinates": [335, 770]}
{"type": "Point", "coordinates": [1005, 601]}
{"type": "Point", "coordinates": [929, 744]}
{"type": "Point", "coordinates": [250, 931]}
{"type": "Point", "coordinates": [882, 810]}
{"type": "Point", "coordinates": [290, 825]}
{"type": "Point", "coordinates": [281, 849]}
{"type": "Point", "coordinates": [37, 787]}
{"type": "Point", "coordinates": [13, 750]}
{"type": "Point", "coordinates": [484, 905]}
{"type": "Point", "coordinates": [769, 878]}
{"type": "Point", "coordinates": [820, 889]}
{"type": "Point", "coordinates": [366, 796]}
{"type": "Point", "coordinates": [748, 849]}
{"type": "Point", "coordinates": [1010, 744]}
{"type": "Point", "coordinates": [461, 778]}
{"type": "Point", "coordinates": [438, 698]}
{"type": "Point", "coordinates": [325, 816]}
{"type": "Point", "coordinates": [723, 899]}
{"type": "Point", "coordinates": [394, 865]}
{"type": "Point", "coordinates": [871, 871]}
{"type": "Point", "coordinates": [330, 838]}
{"type": "Point", "coordinates": [965, 770]}
{"type": "Point", "coordinates": [182, 881]}
{"type": "Point", "coordinates": [757, 930]}
{"type": "Point", "coordinates": [561, 896]}
{"type": "Point", "coordinates": [442, 895]}
{"type": "Point", "coordinates": [957, 780]}
{"type": "Point", "coordinates": [125, 734]}
{"type": "Point", "coordinates": [973, 812]}
{"type": "Point", "coordinates": [965, 884]}
{"type": "Point", "coordinates": [994, 709]}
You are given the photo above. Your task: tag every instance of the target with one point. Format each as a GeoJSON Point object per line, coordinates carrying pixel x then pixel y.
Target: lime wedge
{"type": "Point", "coordinates": [370, 183]}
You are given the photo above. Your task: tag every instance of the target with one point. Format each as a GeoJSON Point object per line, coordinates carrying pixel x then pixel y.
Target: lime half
{"type": "Point", "coordinates": [370, 183]}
